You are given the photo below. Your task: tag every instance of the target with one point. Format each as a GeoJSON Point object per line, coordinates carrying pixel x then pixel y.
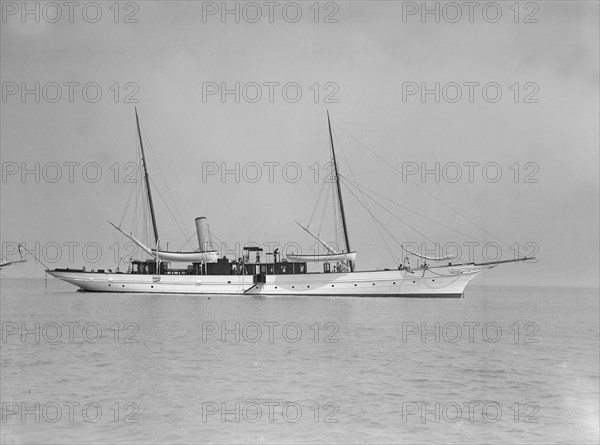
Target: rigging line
{"type": "Point", "coordinates": [394, 238]}
{"type": "Point", "coordinates": [145, 222]}
{"type": "Point", "coordinates": [366, 205]}
{"type": "Point", "coordinates": [187, 241]}
{"type": "Point", "coordinates": [421, 187]}
{"type": "Point", "coordinates": [376, 222]}
{"type": "Point", "coordinates": [147, 219]}
{"type": "Point", "coordinates": [322, 204]}
{"type": "Point", "coordinates": [341, 150]}
{"type": "Point", "coordinates": [316, 204]}
{"type": "Point", "coordinates": [337, 214]}
{"type": "Point", "coordinates": [399, 219]}
{"type": "Point", "coordinates": [139, 211]}
{"type": "Point", "coordinates": [218, 239]}
{"type": "Point", "coordinates": [356, 184]}
{"type": "Point", "coordinates": [34, 256]}
{"type": "Point", "coordinates": [136, 191]}
{"type": "Point", "coordinates": [374, 218]}
{"type": "Point", "coordinates": [131, 190]}
{"type": "Point", "coordinates": [329, 185]}
{"type": "Point", "coordinates": [337, 218]}
{"type": "Point", "coordinates": [221, 245]}
{"type": "Point", "coordinates": [372, 265]}
{"type": "Point", "coordinates": [157, 162]}
{"type": "Point", "coordinates": [136, 212]}
{"type": "Point", "coordinates": [174, 218]}
{"type": "Point", "coordinates": [149, 143]}
{"type": "Point", "coordinates": [323, 212]}
{"type": "Point", "coordinates": [127, 203]}
{"type": "Point", "coordinates": [438, 274]}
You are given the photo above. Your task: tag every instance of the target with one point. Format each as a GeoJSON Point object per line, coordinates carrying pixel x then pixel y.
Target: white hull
{"type": "Point", "coordinates": [447, 281]}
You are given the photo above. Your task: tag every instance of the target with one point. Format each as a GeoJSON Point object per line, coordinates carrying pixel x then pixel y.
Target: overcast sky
{"type": "Point", "coordinates": [365, 62]}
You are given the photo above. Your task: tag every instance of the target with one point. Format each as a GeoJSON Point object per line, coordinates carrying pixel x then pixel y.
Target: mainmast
{"type": "Point", "coordinates": [147, 180]}
{"type": "Point", "coordinates": [339, 193]}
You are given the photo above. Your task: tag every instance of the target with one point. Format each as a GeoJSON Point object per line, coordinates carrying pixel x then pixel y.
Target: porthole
{"type": "Point", "coordinates": [151, 287]}
{"type": "Point", "coordinates": [373, 284]}
{"type": "Point", "coordinates": [307, 286]}
{"type": "Point", "coordinates": [433, 279]}
{"type": "Point", "coordinates": [275, 287]}
{"type": "Point", "coordinates": [355, 284]}
{"type": "Point", "coordinates": [123, 285]}
{"type": "Point", "coordinates": [394, 282]}
{"type": "Point", "coordinates": [332, 285]}
{"type": "Point", "coordinates": [414, 281]}
{"type": "Point", "coordinates": [293, 287]}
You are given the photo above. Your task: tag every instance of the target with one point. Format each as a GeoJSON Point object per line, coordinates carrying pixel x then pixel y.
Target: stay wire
{"type": "Point", "coordinates": [186, 235]}
{"type": "Point", "coordinates": [366, 205]}
{"type": "Point", "coordinates": [422, 188]}
{"type": "Point", "coordinates": [401, 220]}
{"type": "Point", "coordinates": [359, 186]}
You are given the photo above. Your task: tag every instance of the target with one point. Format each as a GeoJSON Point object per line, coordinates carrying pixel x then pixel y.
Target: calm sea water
{"type": "Point", "coordinates": [503, 365]}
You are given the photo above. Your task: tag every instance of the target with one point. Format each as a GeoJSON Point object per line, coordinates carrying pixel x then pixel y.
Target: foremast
{"type": "Point", "coordinates": [147, 181]}
{"type": "Point", "coordinates": [339, 193]}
